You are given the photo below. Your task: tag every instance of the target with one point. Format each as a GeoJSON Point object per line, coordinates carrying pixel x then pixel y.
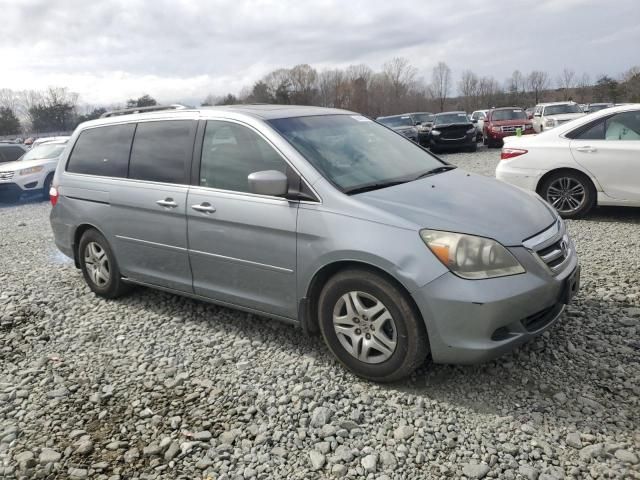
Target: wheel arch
{"type": "Point", "coordinates": [77, 235]}
{"type": "Point", "coordinates": [308, 310]}
{"type": "Point", "coordinates": [548, 174]}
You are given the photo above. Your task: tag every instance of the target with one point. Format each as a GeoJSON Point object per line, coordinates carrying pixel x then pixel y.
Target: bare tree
{"type": "Point", "coordinates": [566, 81]}
{"type": "Point", "coordinates": [538, 81]}
{"type": "Point", "coordinates": [516, 87]}
{"type": "Point", "coordinates": [303, 80]}
{"type": "Point", "coordinates": [441, 83]}
{"type": "Point", "coordinates": [400, 74]}
{"type": "Point", "coordinates": [468, 88]}
{"type": "Point", "coordinates": [583, 87]}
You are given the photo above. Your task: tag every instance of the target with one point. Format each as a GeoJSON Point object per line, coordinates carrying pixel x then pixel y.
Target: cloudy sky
{"type": "Point", "coordinates": [182, 50]}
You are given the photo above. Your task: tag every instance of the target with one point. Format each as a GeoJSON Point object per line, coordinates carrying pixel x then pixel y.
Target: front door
{"type": "Point", "coordinates": [610, 150]}
{"type": "Point", "coordinates": [242, 246]}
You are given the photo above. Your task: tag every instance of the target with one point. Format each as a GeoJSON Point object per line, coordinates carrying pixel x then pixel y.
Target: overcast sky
{"type": "Point", "coordinates": [182, 50]}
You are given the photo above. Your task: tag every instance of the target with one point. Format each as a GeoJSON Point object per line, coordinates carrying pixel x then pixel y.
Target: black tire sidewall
{"type": "Point", "coordinates": [113, 286]}
{"type": "Point", "coordinates": [46, 186]}
{"type": "Point", "coordinates": [588, 188]}
{"type": "Point", "coordinates": [408, 325]}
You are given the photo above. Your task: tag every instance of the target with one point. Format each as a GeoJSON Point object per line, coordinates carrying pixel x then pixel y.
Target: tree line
{"type": "Point", "coordinates": [396, 88]}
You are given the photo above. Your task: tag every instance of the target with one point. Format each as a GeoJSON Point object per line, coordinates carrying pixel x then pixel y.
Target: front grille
{"type": "Point", "coordinates": [454, 133]}
{"type": "Point", "coordinates": [555, 255]}
{"type": "Point", "coordinates": [6, 175]}
{"type": "Point", "coordinates": [551, 247]}
{"type": "Point", "coordinates": [512, 128]}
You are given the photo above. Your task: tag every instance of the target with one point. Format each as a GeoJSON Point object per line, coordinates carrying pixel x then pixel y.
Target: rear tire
{"type": "Point", "coordinates": [371, 325]}
{"type": "Point", "coordinates": [571, 193]}
{"type": "Point", "coordinates": [99, 267]}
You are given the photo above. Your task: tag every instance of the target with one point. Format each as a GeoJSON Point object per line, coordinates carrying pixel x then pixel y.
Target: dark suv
{"type": "Point", "coordinates": [452, 130]}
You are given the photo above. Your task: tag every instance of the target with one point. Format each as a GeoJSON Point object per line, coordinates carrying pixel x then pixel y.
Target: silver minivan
{"type": "Point", "coordinates": [318, 217]}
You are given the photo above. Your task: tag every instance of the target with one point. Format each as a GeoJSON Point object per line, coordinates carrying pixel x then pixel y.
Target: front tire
{"type": "Point", "coordinates": [571, 193]}
{"type": "Point", "coordinates": [371, 326]}
{"type": "Point", "coordinates": [46, 186]}
{"type": "Point", "coordinates": [99, 267]}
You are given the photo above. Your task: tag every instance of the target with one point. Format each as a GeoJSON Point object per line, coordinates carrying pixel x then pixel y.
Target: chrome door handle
{"type": "Point", "coordinates": [587, 149]}
{"type": "Point", "coordinates": [167, 203]}
{"type": "Point", "coordinates": [204, 208]}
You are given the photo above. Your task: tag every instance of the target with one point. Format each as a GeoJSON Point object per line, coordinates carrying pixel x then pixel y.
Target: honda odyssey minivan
{"type": "Point", "coordinates": [318, 217]}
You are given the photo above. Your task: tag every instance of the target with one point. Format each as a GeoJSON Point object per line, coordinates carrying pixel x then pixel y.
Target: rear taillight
{"type": "Point", "coordinates": [508, 153]}
{"type": "Point", "coordinates": [53, 195]}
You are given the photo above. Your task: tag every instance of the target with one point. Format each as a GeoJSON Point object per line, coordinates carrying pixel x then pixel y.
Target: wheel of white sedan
{"type": "Point", "coordinates": [571, 193]}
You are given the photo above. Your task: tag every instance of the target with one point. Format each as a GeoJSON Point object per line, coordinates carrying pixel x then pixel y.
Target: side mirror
{"type": "Point", "coordinates": [268, 182]}
{"type": "Point", "coordinates": [474, 120]}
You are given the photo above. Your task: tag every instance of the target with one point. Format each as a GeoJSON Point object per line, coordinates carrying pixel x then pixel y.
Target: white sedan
{"type": "Point", "coordinates": [593, 160]}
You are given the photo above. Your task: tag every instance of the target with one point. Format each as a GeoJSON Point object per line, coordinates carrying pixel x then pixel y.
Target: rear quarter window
{"type": "Point", "coordinates": [102, 151]}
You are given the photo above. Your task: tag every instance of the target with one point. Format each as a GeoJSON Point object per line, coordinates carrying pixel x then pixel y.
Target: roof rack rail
{"type": "Point", "coordinates": [154, 108]}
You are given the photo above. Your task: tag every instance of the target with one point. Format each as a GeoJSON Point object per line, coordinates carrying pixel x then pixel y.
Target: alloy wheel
{"type": "Point", "coordinates": [97, 264]}
{"type": "Point", "coordinates": [567, 195]}
{"type": "Point", "coordinates": [364, 326]}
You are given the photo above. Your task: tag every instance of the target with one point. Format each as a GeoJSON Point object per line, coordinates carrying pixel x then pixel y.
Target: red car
{"type": "Point", "coordinates": [504, 122]}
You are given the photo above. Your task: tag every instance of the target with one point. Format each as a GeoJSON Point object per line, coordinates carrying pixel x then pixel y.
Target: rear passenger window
{"type": "Point", "coordinates": [102, 151]}
{"type": "Point", "coordinates": [161, 151]}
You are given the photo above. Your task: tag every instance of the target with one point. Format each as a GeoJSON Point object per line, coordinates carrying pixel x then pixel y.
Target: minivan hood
{"type": "Point", "coordinates": [462, 202]}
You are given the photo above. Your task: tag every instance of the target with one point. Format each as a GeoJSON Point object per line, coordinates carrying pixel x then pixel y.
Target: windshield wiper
{"type": "Point", "coordinates": [373, 186]}
{"type": "Point", "coordinates": [435, 171]}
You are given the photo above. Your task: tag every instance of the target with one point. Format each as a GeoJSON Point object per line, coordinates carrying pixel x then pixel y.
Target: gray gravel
{"type": "Point", "coordinates": [159, 386]}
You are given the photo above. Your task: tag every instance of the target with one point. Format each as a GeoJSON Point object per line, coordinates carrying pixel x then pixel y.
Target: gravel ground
{"type": "Point", "coordinates": [159, 386]}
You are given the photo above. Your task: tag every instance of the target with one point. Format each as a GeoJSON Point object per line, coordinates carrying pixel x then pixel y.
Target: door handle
{"type": "Point", "coordinates": [167, 203]}
{"type": "Point", "coordinates": [204, 208]}
{"type": "Point", "coordinates": [587, 149]}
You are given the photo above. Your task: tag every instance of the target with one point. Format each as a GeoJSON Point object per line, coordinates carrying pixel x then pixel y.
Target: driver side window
{"type": "Point", "coordinates": [231, 152]}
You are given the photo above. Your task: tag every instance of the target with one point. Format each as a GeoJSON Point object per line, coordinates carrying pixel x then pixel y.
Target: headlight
{"type": "Point", "coordinates": [27, 171]}
{"type": "Point", "coordinates": [435, 133]}
{"type": "Point", "coordinates": [471, 257]}
{"type": "Point", "coordinates": [496, 129]}
{"type": "Point", "coordinates": [550, 122]}
{"type": "Point", "coordinates": [528, 127]}
{"type": "Point", "coordinates": [472, 130]}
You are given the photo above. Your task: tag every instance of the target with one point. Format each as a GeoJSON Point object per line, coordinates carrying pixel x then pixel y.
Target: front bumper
{"type": "Point", "coordinates": [438, 142]}
{"type": "Point", "coordinates": [471, 321]}
{"type": "Point", "coordinates": [500, 135]}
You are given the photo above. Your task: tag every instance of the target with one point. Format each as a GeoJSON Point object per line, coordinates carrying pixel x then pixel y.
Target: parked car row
{"type": "Point", "coordinates": [439, 131]}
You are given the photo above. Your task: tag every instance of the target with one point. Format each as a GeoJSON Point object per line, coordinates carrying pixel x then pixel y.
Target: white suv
{"type": "Point", "coordinates": [550, 115]}
{"type": "Point", "coordinates": [33, 171]}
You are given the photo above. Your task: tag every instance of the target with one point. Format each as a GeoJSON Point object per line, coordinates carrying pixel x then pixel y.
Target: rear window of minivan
{"type": "Point", "coordinates": [102, 151]}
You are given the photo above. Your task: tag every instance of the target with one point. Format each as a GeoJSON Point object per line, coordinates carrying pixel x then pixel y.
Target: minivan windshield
{"type": "Point", "coordinates": [399, 121]}
{"type": "Point", "coordinates": [447, 118]}
{"type": "Point", "coordinates": [508, 114]}
{"type": "Point", "coordinates": [560, 109]}
{"type": "Point", "coordinates": [44, 152]}
{"type": "Point", "coordinates": [355, 153]}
